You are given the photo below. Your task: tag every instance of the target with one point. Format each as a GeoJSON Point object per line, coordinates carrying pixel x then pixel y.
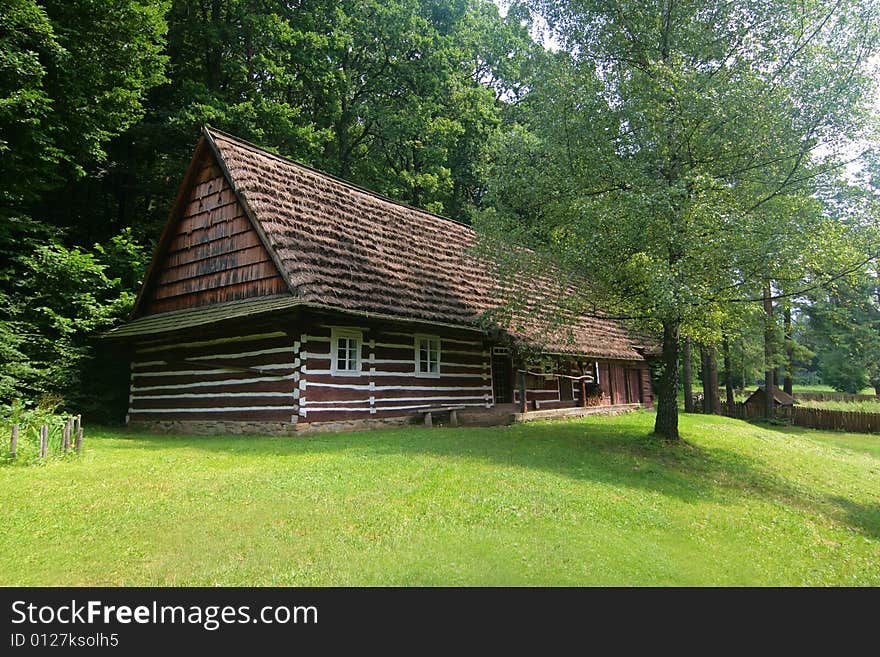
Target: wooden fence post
{"type": "Point", "coordinates": [13, 443]}
{"type": "Point", "coordinates": [44, 439]}
{"type": "Point", "coordinates": [65, 437]}
{"type": "Point", "coordinates": [79, 435]}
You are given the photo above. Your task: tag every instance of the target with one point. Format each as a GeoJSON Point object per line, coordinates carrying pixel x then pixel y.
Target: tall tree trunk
{"type": "Point", "coordinates": [712, 380]}
{"type": "Point", "coordinates": [788, 383]}
{"type": "Point", "coordinates": [728, 375]}
{"type": "Point", "coordinates": [704, 379]}
{"type": "Point", "coordinates": [213, 52]}
{"type": "Point", "coordinates": [709, 375]}
{"type": "Point", "coordinates": [768, 352]}
{"type": "Point", "coordinates": [686, 377]}
{"type": "Point", "coordinates": [666, 423]}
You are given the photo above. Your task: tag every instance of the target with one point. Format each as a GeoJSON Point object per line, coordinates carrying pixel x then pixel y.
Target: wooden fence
{"type": "Point", "coordinates": [71, 438]}
{"type": "Point", "coordinates": [814, 418]}
{"type": "Point", "coordinates": [742, 412]}
{"type": "Point", "coordinates": [823, 418]}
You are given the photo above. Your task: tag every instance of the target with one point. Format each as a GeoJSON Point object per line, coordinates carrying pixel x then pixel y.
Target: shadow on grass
{"type": "Point", "coordinates": [864, 517]}
{"type": "Point", "coordinates": [621, 453]}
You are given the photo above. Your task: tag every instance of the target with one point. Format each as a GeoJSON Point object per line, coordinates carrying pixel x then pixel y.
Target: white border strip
{"type": "Point", "coordinates": [216, 409]}
{"type": "Point", "coordinates": [356, 386]}
{"type": "Point", "coordinates": [393, 399]}
{"type": "Point", "coordinates": [207, 384]}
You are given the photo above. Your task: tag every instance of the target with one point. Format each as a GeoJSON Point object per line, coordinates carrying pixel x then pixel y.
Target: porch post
{"type": "Point", "coordinates": [583, 383]}
{"type": "Point", "coordinates": [521, 384]}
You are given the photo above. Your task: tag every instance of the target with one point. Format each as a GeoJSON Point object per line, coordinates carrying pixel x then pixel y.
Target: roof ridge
{"type": "Point", "coordinates": [287, 160]}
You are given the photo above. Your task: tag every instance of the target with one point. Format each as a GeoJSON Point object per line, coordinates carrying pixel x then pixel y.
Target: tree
{"type": "Point", "coordinates": [686, 376]}
{"type": "Point", "coordinates": [672, 145]}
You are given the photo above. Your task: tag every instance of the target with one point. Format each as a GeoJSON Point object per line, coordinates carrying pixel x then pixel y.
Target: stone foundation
{"type": "Point", "coordinates": [469, 417]}
{"type": "Point", "coordinates": [353, 425]}
{"type": "Point", "coordinates": [215, 427]}
{"type": "Point", "coordinates": [221, 427]}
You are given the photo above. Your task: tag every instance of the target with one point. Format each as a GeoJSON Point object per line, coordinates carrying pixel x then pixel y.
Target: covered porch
{"type": "Point", "coordinates": [560, 381]}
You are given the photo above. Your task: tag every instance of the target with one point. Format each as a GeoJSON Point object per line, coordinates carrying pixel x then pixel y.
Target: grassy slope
{"type": "Point", "coordinates": [592, 501]}
{"type": "Point", "coordinates": [856, 407]}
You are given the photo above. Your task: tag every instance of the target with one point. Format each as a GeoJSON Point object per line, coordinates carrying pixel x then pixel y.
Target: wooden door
{"type": "Point", "coordinates": [635, 387]}
{"type": "Point", "coordinates": [502, 378]}
{"type": "Point", "coordinates": [618, 384]}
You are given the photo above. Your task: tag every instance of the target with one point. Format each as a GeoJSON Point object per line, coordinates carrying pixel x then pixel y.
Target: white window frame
{"type": "Point", "coordinates": [346, 334]}
{"type": "Point", "coordinates": [419, 338]}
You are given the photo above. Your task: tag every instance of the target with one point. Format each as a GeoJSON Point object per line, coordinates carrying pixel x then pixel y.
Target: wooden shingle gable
{"type": "Point", "coordinates": [211, 250]}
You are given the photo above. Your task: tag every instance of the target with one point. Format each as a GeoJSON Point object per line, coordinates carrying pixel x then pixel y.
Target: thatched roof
{"type": "Point", "coordinates": [346, 248]}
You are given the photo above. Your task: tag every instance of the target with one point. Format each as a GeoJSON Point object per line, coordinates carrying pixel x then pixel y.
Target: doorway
{"type": "Point", "coordinates": [502, 375]}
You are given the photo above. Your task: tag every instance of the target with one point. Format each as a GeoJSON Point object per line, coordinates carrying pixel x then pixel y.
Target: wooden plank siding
{"type": "Point", "coordinates": [387, 384]}
{"type": "Point", "coordinates": [214, 254]}
{"type": "Point", "coordinates": [242, 376]}
{"type": "Point", "coordinates": [646, 386]}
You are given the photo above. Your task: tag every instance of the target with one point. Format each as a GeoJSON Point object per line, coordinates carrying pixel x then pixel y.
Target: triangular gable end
{"type": "Point", "coordinates": [210, 251]}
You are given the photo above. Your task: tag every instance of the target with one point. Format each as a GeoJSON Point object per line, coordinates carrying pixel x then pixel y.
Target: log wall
{"type": "Point", "coordinates": [281, 372]}
{"type": "Point", "coordinates": [387, 384]}
{"type": "Point", "coordinates": [248, 377]}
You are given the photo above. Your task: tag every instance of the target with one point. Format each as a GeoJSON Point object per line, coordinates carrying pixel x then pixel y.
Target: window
{"type": "Point", "coordinates": [346, 354]}
{"type": "Point", "coordinates": [427, 355]}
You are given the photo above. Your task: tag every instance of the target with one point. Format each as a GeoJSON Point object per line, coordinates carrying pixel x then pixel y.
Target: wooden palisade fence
{"type": "Point", "coordinates": [814, 418]}
{"type": "Point", "coordinates": [823, 418]}
{"type": "Point", "coordinates": [71, 438]}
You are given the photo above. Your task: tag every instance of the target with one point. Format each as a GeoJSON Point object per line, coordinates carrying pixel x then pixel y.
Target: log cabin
{"type": "Point", "coordinates": [281, 299]}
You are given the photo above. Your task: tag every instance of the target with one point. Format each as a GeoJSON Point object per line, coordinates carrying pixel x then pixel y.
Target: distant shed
{"type": "Point", "coordinates": [755, 404]}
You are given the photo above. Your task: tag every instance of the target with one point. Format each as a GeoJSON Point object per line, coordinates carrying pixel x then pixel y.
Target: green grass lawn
{"type": "Point", "coordinates": [824, 388]}
{"type": "Point", "coordinates": [698, 389]}
{"type": "Point", "coordinates": [592, 501]}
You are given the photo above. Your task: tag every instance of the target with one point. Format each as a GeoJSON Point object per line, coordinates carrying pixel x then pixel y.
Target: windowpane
{"type": "Point", "coordinates": [428, 355]}
{"type": "Point", "coordinates": [341, 352]}
{"type": "Point", "coordinates": [347, 352]}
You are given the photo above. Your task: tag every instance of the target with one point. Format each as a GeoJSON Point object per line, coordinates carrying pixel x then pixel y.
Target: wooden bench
{"type": "Point", "coordinates": [429, 413]}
